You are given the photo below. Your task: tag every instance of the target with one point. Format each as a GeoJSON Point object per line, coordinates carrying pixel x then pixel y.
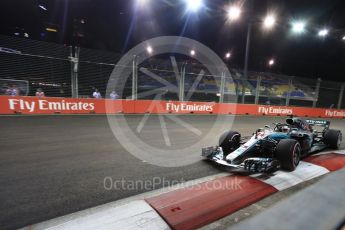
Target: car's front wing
{"type": "Point", "coordinates": [255, 164]}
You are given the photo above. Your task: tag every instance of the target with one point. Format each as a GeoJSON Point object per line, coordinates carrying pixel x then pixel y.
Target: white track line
{"type": "Point", "coordinates": [305, 171]}
{"type": "Point", "coordinates": [334, 151]}
{"type": "Point", "coordinates": [129, 213]}
{"type": "Point", "coordinates": [282, 180]}
{"type": "Point", "coordinates": [134, 215]}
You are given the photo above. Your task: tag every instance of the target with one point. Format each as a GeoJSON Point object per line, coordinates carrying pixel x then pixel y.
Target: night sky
{"type": "Point", "coordinates": [117, 25]}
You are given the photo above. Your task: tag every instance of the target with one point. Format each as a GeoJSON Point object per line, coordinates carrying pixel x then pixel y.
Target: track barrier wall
{"type": "Point", "coordinates": [34, 105]}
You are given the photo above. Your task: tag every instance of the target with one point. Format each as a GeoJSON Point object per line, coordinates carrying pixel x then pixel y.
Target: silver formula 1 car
{"type": "Point", "coordinates": [270, 148]}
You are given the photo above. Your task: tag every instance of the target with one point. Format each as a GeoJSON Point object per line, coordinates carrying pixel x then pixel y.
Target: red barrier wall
{"type": "Point", "coordinates": [33, 105]}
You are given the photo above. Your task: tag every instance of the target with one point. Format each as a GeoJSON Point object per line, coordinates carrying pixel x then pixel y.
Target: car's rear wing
{"type": "Point", "coordinates": [322, 123]}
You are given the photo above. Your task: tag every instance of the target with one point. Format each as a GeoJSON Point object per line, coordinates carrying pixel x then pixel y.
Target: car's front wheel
{"type": "Point", "coordinates": [333, 138]}
{"type": "Point", "coordinates": [229, 141]}
{"type": "Point", "coordinates": [288, 153]}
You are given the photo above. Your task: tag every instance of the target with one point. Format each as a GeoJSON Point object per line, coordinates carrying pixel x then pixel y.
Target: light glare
{"type": "Point", "coordinates": [149, 49]}
{"type": "Point", "coordinates": [192, 52]}
{"type": "Point", "coordinates": [227, 55]}
{"type": "Point", "coordinates": [142, 2]}
{"type": "Point", "coordinates": [323, 33]}
{"type": "Point", "coordinates": [42, 7]}
{"type": "Point", "coordinates": [269, 21]}
{"type": "Point", "coordinates": [234, 13]}
{"type": "Point", "coordinates": [271, 62]}
{"type": "Point", "coordinates": [298, 27]}
{"type": "Point", "coordinates": [194, 5]}
{"type": "Point", "coordinates": [51, 30]}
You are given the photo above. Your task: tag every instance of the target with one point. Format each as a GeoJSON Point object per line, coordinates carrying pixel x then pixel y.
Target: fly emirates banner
{"type": "Point", "coordinates": [34, 105]}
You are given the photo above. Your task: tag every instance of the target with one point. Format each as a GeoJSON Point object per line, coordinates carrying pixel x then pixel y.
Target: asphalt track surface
{"type": "Point", "coordinates": [55, 165]}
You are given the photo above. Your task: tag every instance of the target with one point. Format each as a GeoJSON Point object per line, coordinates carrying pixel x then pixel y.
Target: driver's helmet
{"type": "Point", "coordinates": [285, 129]}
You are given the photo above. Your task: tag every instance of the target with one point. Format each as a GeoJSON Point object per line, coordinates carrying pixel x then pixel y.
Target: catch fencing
{"type": "Point", "coordinates": [73, 72]}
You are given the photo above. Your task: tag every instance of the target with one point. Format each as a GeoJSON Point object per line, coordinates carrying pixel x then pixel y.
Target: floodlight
{"type": "Point", "coordinates": [42, 7]}
{"type": "Point", "coordinates": [269, 21]}
{"type": "Point", "coordinates": [194, 5]}
{"type": "Point", "coordinates": [323, 32]}
{"type": "Point", "coordinates": [234, 13]}
{"type": "Point", "coordinates": [51, 30]}
{"type": "Point", "coordinates": [298, 27]}
{"type": "Point", "coordinates": [149, 49]}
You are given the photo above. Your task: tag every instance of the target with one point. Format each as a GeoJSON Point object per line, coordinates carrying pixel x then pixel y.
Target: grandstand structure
{"type": "Point", "coordinates": [63, 71]}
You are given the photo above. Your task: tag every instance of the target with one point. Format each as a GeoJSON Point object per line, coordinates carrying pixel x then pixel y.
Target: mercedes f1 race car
{"type": "Point", "coordinates": [270, 148]}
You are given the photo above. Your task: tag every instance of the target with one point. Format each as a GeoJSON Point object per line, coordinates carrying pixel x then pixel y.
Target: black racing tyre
{"type": "Point", "coordinates": [229, 141]}
{"type": "Point", "coordinates": [332, 138]}
{"type": "Point", "coordinates": [288, 153]}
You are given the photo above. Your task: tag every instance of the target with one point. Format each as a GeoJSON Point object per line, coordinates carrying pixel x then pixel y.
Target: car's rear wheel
{"type": "Point", "coordinates": [333, 138]}
{"type": "Point", "coordinates": [288, 153]}
{"type": "Point", "coordinates": [229, 141]}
